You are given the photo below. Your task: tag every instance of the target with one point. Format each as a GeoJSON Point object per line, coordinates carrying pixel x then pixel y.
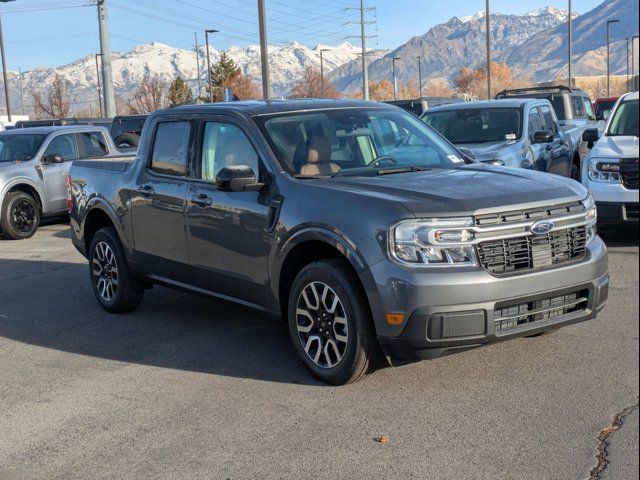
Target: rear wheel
{"type": "Point", "coordinates": [330, 323]}
{"type": "Point", "coordinates": [20, 215]}
{"type": "Point", "coordinates": [114, 286]}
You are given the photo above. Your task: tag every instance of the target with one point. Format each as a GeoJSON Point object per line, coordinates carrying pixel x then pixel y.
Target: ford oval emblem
{"type": "Point", "coordinates": [542, 227]}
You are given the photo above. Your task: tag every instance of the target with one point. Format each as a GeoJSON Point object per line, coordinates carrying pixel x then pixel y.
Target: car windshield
{"type": "Point", "coordinates": [477, 125]}
{"type": "Point", "coordinates": [625, 120]}
{"type": "Point", "coordinates": [355, 141]}
{"type": "Point", "coordinates": [604, 106]}
{"type": "Point", "coordinates": [19, 147]}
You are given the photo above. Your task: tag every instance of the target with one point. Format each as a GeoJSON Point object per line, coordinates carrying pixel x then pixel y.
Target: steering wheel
{"type": "Point", "coordinates": [383, 161]}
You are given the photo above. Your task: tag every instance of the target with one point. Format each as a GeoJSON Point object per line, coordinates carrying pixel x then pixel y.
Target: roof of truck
{"type": "Point", "coordinates": [58, 128]}
{"type": "Point", "coordinates": [502, 103]}
{"type": "Point", "coordinates": [265, 107]}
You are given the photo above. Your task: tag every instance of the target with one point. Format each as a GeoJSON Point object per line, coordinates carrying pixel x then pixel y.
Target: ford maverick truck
{"type": "Point", "coordinates": [367, 231]}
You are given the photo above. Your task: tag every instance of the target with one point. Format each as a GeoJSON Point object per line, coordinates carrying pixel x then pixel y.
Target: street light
{"type": "Point", "coordinates": [322, 50]}
{"type": "Point", "coordinates": [206, 39]}
{"type": "Point", "coordinates": [570, 42]}
{"type": "Point", "coordinates": [395, 80]}
{"type": "Point", "coordinates": [488, 25]}
{"type": "Point", "coordinates": [609, 22]}
{"type": "Point", "coordinates": [627, 44]}
{"type": "Point", "coordinates": [633, 65]}
{"type": "Point", "coordinates": [4, 67]}
{"type": "Point", "coordinates": [99, 87]}
{"type": "Point", "coordinates": [419, 57]}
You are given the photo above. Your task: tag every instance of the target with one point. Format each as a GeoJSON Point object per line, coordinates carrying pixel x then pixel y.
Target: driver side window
{"type": "Point", "coordinates": [65, 146]}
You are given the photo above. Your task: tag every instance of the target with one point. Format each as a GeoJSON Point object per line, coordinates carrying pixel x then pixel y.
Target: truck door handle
{"type": "Point", "coordinates": [202, 200]}
{"type": "Point", "coordinates": [146, 191]}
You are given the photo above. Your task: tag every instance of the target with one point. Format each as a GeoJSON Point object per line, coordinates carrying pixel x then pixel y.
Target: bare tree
{"type": "Point", "coordinates": [149, 96]}
{"type": "Point", "coordinates": [54, 102]}
{"type": "Point", "coordinates": [310, 85]}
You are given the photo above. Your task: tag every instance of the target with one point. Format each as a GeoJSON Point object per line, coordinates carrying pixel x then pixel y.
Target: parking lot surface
{"type": "Point", "coordinates": [189, 387]}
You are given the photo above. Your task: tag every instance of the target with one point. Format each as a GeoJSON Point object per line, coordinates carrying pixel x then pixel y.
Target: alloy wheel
{"type": "Point", "coordinates": [105, 271]}
{"type": "Point", "coordinates": [322, 325]}
{"type": "Point", "coordinates": [24, 216]}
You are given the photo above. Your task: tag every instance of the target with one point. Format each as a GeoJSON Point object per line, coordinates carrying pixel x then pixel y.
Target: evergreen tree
{"type": "Point", "coordinates": [223, 75]}
{"type": "Point", "coordinates": [179, 93]}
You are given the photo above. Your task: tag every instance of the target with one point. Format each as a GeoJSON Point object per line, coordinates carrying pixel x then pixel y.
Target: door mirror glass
{"type": "Point", "coordinates": [543, 136]}
{"type": "Point", "coordinates": [53, 158]}
{"type": "Point", "coordinates": [590, 135]}
{"type": "Point", "coordinates": [238, 178]}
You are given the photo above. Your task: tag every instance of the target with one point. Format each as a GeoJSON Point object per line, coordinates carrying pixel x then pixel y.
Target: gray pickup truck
{"type": "Point", "coordinates": [367, 245]}
{"type": "Point", "coordinates": [34, 163]}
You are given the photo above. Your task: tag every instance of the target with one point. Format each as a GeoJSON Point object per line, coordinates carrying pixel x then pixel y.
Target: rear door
{"type": "Point", "coordinates": [54, 174]}
{"type": "Point", "coordinates": [538, 152]}
{"type": "Point", "coordinates": [559, 152]}
{"type": "Point", "coordinates": [158, 201]}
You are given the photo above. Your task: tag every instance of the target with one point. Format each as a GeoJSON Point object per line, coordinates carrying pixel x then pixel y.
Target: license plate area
{"type": "Point", "coordinates": [541, 255]}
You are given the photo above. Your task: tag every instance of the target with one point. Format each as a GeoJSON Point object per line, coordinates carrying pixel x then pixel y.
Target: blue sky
{"type": "Point", "coordinates": [55, 32]}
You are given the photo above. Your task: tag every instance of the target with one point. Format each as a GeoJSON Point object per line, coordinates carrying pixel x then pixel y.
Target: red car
{"type": "Point", "coordinates": [604, 106]}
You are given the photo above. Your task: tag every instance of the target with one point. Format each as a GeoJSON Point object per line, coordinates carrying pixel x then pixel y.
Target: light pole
{"type": "Point", "coordinates": [609, 22]}
{"type": "Point", "coordinates": [4, 68]}
{"type": "Point", "coordinates": [395, 80]}
{"type": "Point", "coordinates": [633, 65]}
{"type": "Point", "coordinates": [206, 40]}
{"type": "Point", "coordinates": [322, 70]}
{"type": "Point", "coordinates": [488, 24]}
{"type": "Point", "coordinates": [419, 57]}
{"type": "Point", "coordinates": [570, 38]}
{"type": "Point", "coordinates": [107, 73]}
{"type": "Point", "coordinates": [264, 51]}
{"type": "Point", "coordinates": [99, 87]}
{"type": "Point", "coordinates": [627, 85]}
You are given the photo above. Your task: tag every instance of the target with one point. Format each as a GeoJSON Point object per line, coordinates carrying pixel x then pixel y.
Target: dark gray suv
{"type": "Point", "coordinates": [356, 222]}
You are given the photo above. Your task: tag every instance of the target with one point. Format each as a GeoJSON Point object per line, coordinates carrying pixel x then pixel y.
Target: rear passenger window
{"type": "Point", "coordinates": [93, 144]}
{"type": "Point", "coordinates": [170, 148]}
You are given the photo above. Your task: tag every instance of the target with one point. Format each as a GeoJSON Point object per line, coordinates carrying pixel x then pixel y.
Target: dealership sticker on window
{"type": "Point", "coordinates": [455, 159]}
{"type": "Point", "coordinates": [510, 136]}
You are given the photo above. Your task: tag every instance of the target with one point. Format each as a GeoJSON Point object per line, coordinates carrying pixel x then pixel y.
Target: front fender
{"type": "Point", "coordinates": [15, 181]}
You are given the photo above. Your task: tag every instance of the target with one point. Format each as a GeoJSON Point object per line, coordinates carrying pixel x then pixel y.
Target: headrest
{"type": "Point", "coordinates": [318, 150]}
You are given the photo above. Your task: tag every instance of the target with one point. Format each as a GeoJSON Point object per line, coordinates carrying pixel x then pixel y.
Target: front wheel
{"type": "Point", "coordinates": [330, 323]}
{"type": "Point", "coordinates": [114, 286]}
{"type": "Point", "coordinates": [20, 216]}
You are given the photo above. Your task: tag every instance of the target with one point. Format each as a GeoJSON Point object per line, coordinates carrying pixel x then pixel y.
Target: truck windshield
{"type": "Point", "coordinates": [625, 120]}
{"type": "Point", "coordinates": [477, 125]}
{"type": "Point", "coordinates": [355, 141]}
{"type": "Point", "coordinates": [19, 147]}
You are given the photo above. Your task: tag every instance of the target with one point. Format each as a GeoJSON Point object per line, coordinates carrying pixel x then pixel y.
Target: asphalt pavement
{"type": "Point", "coordinates": [193, 388]}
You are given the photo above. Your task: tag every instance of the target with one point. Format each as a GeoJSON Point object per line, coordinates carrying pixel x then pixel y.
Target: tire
{"type": "Point", "coordinates": [115, 288]}
{"type": "Point", "coordinates": [20, 216]}
{"type": "Point", "coordinates": [125, 140]}
{"type": "Point", "coordinates": [354, 348]}
{"type": "Point", "coordinates": [575, 173]}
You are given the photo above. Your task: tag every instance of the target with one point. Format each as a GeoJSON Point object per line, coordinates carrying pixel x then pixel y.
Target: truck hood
{"type": "Point", "coordinates": [490, 150]}
{"type": "Point", "coordinates": [474, 188]}
{"type": "Point", "coordinates": [616, 147]}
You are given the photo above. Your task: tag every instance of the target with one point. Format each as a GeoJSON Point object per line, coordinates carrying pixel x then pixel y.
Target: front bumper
{"type": "Point", "coordinates": [616, 204]}
{"type": "Point", "coordinates": [467, 301]}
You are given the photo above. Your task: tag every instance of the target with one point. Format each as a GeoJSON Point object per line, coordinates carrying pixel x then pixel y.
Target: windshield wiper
{"type": "Point", "coordinates": [391, 171]}
{"type": "Point", "coordinates": [307, 177]}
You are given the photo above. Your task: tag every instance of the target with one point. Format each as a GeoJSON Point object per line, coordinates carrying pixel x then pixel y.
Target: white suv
{"type": "Point", "coordinates": [611, 172]}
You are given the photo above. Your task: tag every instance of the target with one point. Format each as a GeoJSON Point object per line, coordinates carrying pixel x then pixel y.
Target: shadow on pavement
{"type": "Point", "coordinates": [51, 305]}
{"type": "Point", "coordinates": [619, 236]}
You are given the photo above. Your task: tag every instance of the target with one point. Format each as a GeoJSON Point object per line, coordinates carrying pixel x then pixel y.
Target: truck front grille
{"type": "Point", "coordinates": [629, 173]}
{"type": "Point", "coordinates": [512, 315]}
{"type": "Point", "coordinates": [518, 255]}
{"type": "Point", "coordinates": [530, 214]}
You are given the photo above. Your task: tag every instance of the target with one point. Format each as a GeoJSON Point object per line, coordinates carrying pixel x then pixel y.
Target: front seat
{"type": "Point", "coordinates": [319, 157]}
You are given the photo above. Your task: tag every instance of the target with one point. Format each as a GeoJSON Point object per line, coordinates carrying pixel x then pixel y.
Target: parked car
{"type": "Point", "coordinates": [603, 107]}
{"type": "Point", "coordinates": [420, 105]}
{"type": "Point", "coordinates": [126, 130]}
{"type": "Point", "coordinates": [368, 246]}
{"type": "Point", "coordinates": [612, 173]}
{"type": "Point", "coordinates": [33, 166]}
{"type": "Point", "coordinates": [518, 133]}
{"type": "Point", "coordinates": [573, 108]}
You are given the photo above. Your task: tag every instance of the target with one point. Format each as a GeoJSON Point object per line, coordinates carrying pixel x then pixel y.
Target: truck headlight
{"type": "Point", "coordinates": [606, 170]}
{"type": "Point", "coordinates": [591, 217]}
{"type": "Point", "coordinates": [436, 242]}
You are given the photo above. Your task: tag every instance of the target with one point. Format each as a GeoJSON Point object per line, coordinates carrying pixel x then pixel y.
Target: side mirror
{"type": "Point", "coordinates": [53, 158]}
{"type": "Point", "coordinates": [468, 154]}
{"type": "Point", "coordinates": [542, 137]}
{"type": "Point", "coordinates": [238, 178]}
{"type": "Point", "coordinates": [590, 135]}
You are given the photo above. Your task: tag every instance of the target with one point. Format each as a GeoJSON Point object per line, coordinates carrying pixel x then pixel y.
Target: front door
{"type": "Point", "coordinates": [558, 151]}
{"type": "Point", "coordinates": [54, 174]}
{"type": "Point", "coordinates": [229, 241]}
{"type": "Point", "coordinates": [158, 202]}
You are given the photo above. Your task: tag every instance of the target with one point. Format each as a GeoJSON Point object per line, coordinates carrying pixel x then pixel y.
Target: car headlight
{"type": "Point", "coordinates": [606, 170]}
{"type": "Point", "coordinates": [433, 242]}
{"type": "Point", "coordinates": [591, 217]}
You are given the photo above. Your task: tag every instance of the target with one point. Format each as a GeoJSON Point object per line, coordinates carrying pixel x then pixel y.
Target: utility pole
{"type": "Point", "coordinates": [488, 24]}
{"type": "Point", "coordinates": [363, 32]}
{"type": "Point", "coordinates": [322, 70]}
{"type": "Point", "coordinates": [264, 54]}
{"type": "Point", "coordinates": [195, 35]}
{"type": "Point", "coordinates": [206, 39]}
{"type": "Point", "coordinates": [21, 91]}
{"type": "Point", "coordinates": [4, 73]}
{"type": "Point", "coordinates": [420, 74]}
{"type": "Point", "coordinates": [570, 42]}
{"type": "Point", "coordinates": [633, 65]}
{"type": "Point", "coordinates": [99, 86]}
{"type": "Point", "coordinates": [627, 85]}
{"type": "Point", "coordinates": [609, 22]}
{"type": "Point", "coordinates": [395, 80]}
{"type": "Point", "coordinates": [105, 52]}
